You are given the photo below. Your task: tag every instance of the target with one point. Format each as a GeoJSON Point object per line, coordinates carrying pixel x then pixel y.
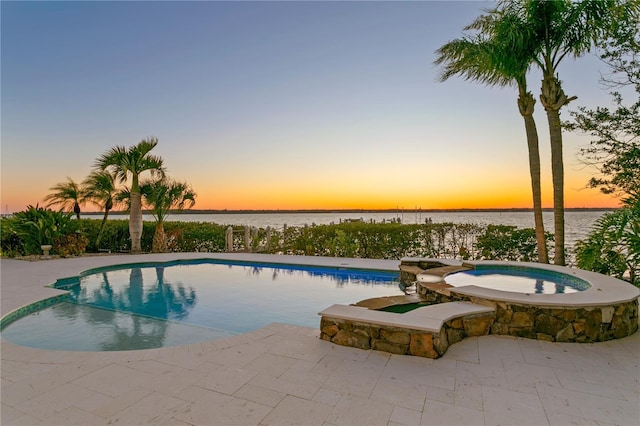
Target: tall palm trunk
{"type": "Point", "coordinates": [135, 221]}
{"type": "Point", "coordinates": [526, 104]}
{"type": "Point", "coordinates": [553, 98]}
{"type": "Point", "coordinates": [102, 224]}
{"type": "Point", "coordinates": [159, 239]}
{"type": "Point", "coordinates": [107, 208]}
{"type": "Point", "coordinates": [557, 172]}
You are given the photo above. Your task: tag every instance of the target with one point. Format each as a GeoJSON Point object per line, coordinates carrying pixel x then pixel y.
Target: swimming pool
{"type": "Point", "coordinates": [145, 306]}
{"type": "Point", "coordinates": [518, 279]}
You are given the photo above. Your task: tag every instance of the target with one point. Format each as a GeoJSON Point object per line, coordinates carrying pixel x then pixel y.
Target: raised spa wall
{"type": "Point", "coordinates": [469, 315]}
{"type": "Point", "coordinates": [555, 324]}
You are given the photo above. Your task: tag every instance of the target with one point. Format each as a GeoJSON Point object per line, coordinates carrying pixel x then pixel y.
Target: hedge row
{"type": "Point", "coordinates": [349, 239]}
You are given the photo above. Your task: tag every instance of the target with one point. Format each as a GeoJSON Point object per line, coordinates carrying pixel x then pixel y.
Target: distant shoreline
{"type": "Point", "coordinates": [299, 211]}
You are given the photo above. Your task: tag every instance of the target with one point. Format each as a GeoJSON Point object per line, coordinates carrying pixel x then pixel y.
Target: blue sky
{"type": "Point", "coordinates": [271, 104]}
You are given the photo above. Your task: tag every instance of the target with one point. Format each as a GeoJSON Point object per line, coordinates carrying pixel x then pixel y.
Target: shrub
{"type": "Point", "coordinates": [613, 246]}
{"type": "Point", "coordinates": [195, 236]}
{"type": "Point", "coordinates": [379, 240]}
{"type": "Point", "coordinates": [502, 242]}
{"type": "Point", "coordinates": [348, 239]}
{"type": "Point", "coordinates": [73, 244]}
{"type": "Point", "coordinates": [181, 236]}
{"type": "Point", "coordinates": [35, 227]}
{"type": "Point", "coordinates": [12, 244]}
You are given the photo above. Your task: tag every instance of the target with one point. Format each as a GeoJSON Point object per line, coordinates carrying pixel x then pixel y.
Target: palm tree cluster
{"type": "Point", "coordinates": [499, 49]}
{"type": "Point", "coordinates": [106, 186]}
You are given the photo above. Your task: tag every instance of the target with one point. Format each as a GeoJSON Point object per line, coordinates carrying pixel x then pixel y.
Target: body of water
{"type": "Point", "coordinates": [578, 224]}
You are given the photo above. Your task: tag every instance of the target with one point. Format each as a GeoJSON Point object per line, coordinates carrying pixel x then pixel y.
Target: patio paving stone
{"type": "Point", "coordinates": [284, 374]}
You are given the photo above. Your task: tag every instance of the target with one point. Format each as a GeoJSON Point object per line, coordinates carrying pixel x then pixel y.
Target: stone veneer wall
{"type": "Point", "coordinates": [404, 341]}
{"type": "Point", "coordinates": [555, 324]}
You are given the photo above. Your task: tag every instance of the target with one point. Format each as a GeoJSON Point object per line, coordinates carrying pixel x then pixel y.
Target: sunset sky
{"type": "Point", "coordinates": [273, 105]}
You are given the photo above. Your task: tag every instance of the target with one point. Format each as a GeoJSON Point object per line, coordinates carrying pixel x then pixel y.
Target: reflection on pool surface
{"type": "Point", "coordinates": [148, 306]}
{"type": "Point", "coordinates": [518, 279]}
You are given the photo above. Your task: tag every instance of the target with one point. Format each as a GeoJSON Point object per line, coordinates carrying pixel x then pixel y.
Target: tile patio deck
{"type": "Point", "coordinates": [283, 374]}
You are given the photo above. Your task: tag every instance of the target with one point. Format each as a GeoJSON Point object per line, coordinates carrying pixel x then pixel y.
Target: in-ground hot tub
{"type": "Point", "coordinates": [518, 279]}
{"type": "Point", "coordinates": [532, 300]}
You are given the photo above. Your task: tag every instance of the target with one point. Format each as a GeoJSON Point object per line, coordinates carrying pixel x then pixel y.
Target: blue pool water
{"type": "Point", "coordinates": [149, 306]}
{"type": "Point", "coordinates": [518, 279]}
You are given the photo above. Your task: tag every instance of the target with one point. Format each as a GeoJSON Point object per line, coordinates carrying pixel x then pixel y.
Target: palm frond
{"type": "Point", "coordinates": [68, 195]}
{"type": "Point", "coordinates": [163, 195]}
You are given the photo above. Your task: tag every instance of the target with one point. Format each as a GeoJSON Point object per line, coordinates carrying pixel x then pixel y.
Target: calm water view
{"type": "Point", "coordinates": [578, 223]}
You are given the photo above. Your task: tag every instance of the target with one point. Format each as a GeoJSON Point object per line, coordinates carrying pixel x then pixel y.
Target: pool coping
{"type": "Point", "coordinates": [604, 290]}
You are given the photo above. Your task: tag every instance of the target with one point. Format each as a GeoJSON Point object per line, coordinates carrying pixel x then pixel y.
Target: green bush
{"type": "Point", "coordinates": [12, 243]}
{"type": "Point", "coordinates": [613, 246]}
{"type": "Point", "coordinates": [27, 231]}
{"type": "Point", "coordinates": [349, 239]}
{"type": "Point", "coordinates": [195, 236]}
{"type": "Point", "coordinates": [73, 244]}
{"type": "Point", "coordinates": [501, 242]}
{"type": "Point", "coordinates": [181, 236]}
{"type": "Point", "coordinates": [379, 240]}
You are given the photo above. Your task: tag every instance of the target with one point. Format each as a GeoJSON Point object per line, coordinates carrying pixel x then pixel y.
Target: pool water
{"type": "Point", "coordinates": [518, 279]}
{"type": "Point", "coordinates": [149, 306]}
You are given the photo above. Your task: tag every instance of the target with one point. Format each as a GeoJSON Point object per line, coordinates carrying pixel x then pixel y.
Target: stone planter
{"type": "Point", "coordinates": [45, 250]}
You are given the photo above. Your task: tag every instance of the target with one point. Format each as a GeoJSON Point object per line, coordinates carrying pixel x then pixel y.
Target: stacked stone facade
{"type": "Point", "coordinates": [403, 341]}
{"type": "Point", "coordinates": [566, 323]}
{"type": "Point", "coordinates": [555, 324]}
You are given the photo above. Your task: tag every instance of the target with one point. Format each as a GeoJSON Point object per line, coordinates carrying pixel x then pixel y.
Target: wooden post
{"type": "Point", "coordinates": [247, 238]}
{"type": "Point", "coordinates": [228, 239]}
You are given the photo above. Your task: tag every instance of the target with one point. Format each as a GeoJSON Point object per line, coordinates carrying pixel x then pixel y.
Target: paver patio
{"type": "Point", "coordinates": [283, 374]}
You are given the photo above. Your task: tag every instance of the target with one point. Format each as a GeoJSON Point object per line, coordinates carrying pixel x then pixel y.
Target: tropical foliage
{"type": "Point", "coordinates": [509, 243]}
{"type": "Point", "coordinates": [613, 246]}
{"type": "Point", "coordinates": [559, 29]}
{"type": "Point", "coordinates": [69, 195]}
{"type": "Point", "coordinates": [116, 178]}
{"type": "Point", "coordinates": [162, 197]}
{"type": "Point", "coordinates": [366, 240]}
{"type": "Point", "coordinates": [481, 55]}
{"type": "Point", "coordinates": [25, 232]}
{"type": "Point", "coordinates": [614, 152]}
{"type": "Point", "coordinates": [521, 33]}
{"type": "Point", "coordinates": [127, 164]}
{"type": "Point", "coordinates": [100, 188]}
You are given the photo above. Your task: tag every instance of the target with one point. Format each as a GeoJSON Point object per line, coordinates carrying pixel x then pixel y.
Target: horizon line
{"type": "Point", "coordinates": [271, 211]}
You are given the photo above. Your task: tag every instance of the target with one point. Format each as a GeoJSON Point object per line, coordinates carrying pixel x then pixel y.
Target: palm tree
{"type": "Point", "coordinates": [100, 188]}
{"type": "Point", "coordinates": [482, 57]}
{"type": "Point", "coordinates": [162, 196]}
{"type": "Point", "coordinates": [129, 163]}
{"type": "Point", "coordinates": [551, 31]}
{"type": "Point", "coordinates": [69, 195]}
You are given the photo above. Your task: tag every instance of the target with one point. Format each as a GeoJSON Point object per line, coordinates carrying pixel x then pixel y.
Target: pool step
{"type": "Point", "coordinates": [426, 331]}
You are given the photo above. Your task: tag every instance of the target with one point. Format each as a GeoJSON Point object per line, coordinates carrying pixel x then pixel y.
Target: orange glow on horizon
{"type": "Point", "coordinates": [316, 201]}
{"type": "Point", "coordinates": [344, 201]}
{"type": "Point", "coordinates": [371, 194]}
